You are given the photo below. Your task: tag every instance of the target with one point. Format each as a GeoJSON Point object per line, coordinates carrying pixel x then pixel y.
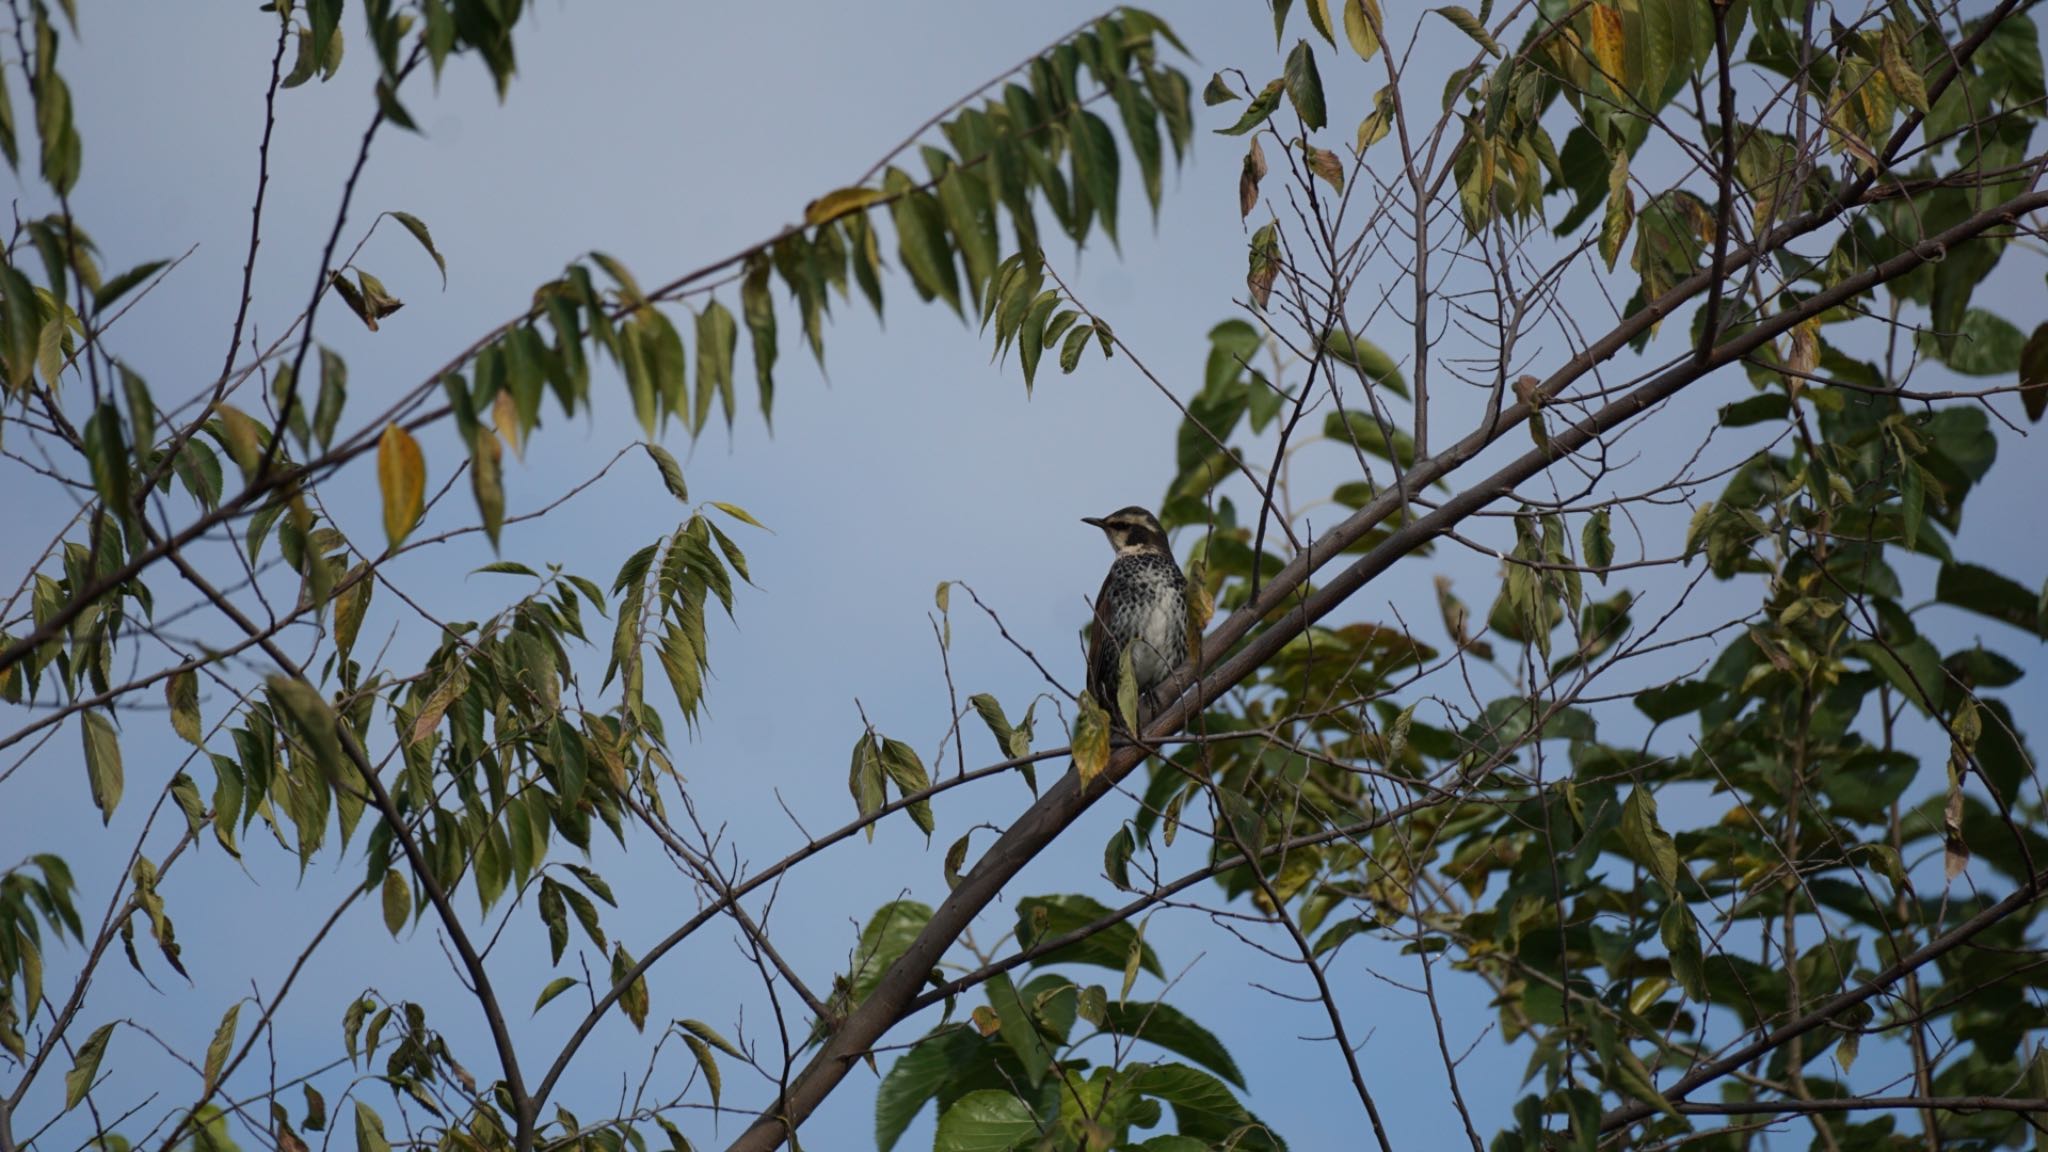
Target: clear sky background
{"type": "Point", "coordinates": [670, 135]}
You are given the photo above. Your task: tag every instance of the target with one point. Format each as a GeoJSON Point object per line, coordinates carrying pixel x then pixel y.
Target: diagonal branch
{"type": "Point", "coordinates": [1066, 800]}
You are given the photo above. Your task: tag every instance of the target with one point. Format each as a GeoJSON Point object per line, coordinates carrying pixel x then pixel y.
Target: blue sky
{"type": "Point", "coordinates": [669, 135]}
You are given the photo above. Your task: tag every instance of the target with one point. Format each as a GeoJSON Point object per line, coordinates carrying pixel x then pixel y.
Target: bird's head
{"type": "Point", "coordinates": [1131, 530]}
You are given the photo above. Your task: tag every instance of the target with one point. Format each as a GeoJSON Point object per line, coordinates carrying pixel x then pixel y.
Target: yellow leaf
{"type": "Point", "coordinates": [1609, 43]}
{"type": "Point", "coordinates": [505, 415]}
{"type": "Point", "coordinates": [243, 436]}
{"type": "Point", "coordinates": [840, 202]}
{"type": "Point", "coordinates": [1091, 740]}
{"type": "Point", "coordinates": [402, 478]}
{"type": "Point", "coordinates": [1362, 27]}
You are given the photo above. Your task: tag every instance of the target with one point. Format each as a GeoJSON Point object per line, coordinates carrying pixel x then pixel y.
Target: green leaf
{"type": "Point", "coordinates": [1018, 1032]}
{"type": "Point", "coordinates": [1203, 1106]}
{"type": "Point", "coordinates": [1913, 667]}
{"type": "Point", "coordinates": [1095, 165]}
{"type": "Point", "coordinates": [1042, 918]}
{"type": "Point", "coordinates": [85, 1066]}
{"type": "Point", "coordinates": [921, 239]}
{"type": "Point", "coordinates": [1305, 86]}
{"type": "Point", "coordinates": [369, 1130]}
{"type": "Point", "coordinates": [865, 778]}
{"type": "Point", "coordinates": [632, 996]}
{"type": "Point", "coordinates": [185, 791]}
{"type": "Point", "coordinates": [1669, 701]}
{"type": "Point", "coordinates": [1031, 335]}
{"type": "Point", "coordinates": [888, 934]}
{"type": "Point", "coordinates": [1987, 593]}
{"type": "Point", "coordinates": [1597, 544]}
{"type": "Point", "coordinates": [555, 987]}
{"type": "Point", "coordinates": [901, 763]}
{"type": "Point", "coordinates": [488, 482]}
{"type": "Point", "coordinates": [1681, 935]}
{"type": "Point", "coordinates": [710, 1035]}
{"type": "Point", "coordinates": [1647, 842]}
{"type": "Point", "coordinates": [709, 1064]}
{"type": "Point", "coordinates": [1984, 344]}
{"type": "Point", "coordinates": [1368, 358]}
{"type": "Point", "coordinates": [758, 309]}
{"type": "Point", "coordinates": [111, 290]}
{"type": "Point", "coordinates": [333, 396]}
{"type": "Point", "coordinates": [102, 763]}
{"type": "Point", "coordinates": [397, 901]}
{"type": "Point", "coordinates": [1173, 1030]}
{"type": "Point", "coordinates": [1257, 111]}
{"type": "Point", "coordinates": [989, 1120]}
{"type": "Point", "coordinates": [1463, 19]}
{"type": "Point", "coordinates": [181, 692]}
{"type": "Point", "coordinates": [1217, 91]}
{"type": "Point", "coordinates": [418, 228]}
{"type": "Point", "coordinates": [223, 1043]}
{"type": "Point", "coordinates": [717, 335]}
{"type": "Point", "coordinates": [917, 1077]}
{"type": "Point", "coordinates": [312, 716]}
{"type": "Point", "coordinates": [671, 472]}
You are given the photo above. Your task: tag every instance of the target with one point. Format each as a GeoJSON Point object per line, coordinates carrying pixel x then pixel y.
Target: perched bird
{"type": "Point", "coordinates": [1142, 607]}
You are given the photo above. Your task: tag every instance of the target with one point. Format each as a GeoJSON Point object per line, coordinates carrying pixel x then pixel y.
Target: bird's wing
{"type": "Point", "coordinates": [1102, 653]}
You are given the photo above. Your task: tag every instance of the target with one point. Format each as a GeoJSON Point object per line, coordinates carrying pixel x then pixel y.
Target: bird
{"type": "Point", "coordinates": [1142, 607]}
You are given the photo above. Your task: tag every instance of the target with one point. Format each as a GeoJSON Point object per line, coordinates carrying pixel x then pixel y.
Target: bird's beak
{"type": "Point", "coordinates": [1095, 522]}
